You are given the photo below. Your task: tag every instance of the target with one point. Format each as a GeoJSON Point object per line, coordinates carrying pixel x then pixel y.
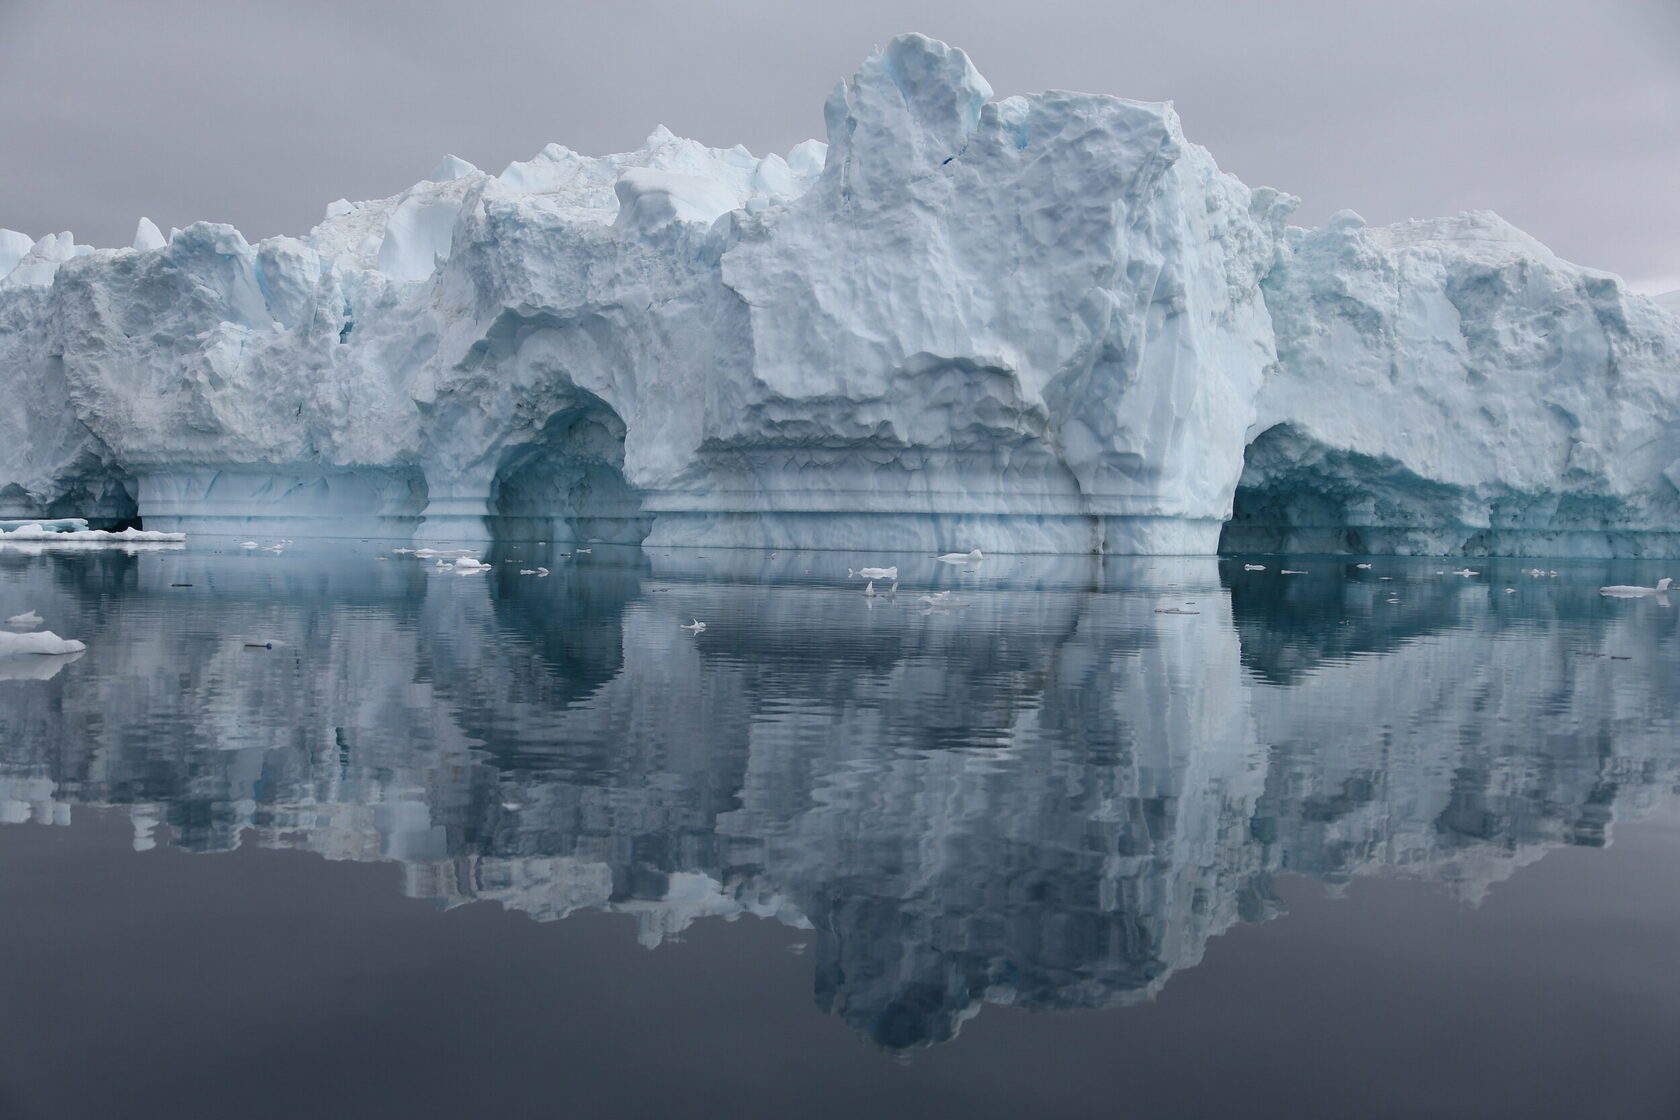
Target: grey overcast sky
{"type": "Point", "coordinates": [1563, 115]}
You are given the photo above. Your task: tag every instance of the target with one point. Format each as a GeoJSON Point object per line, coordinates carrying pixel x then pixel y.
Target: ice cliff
{"type": "Point", "coordinates": [1044, 323]}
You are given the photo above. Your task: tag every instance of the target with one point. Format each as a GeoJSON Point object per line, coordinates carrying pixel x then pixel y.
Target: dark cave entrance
{"type": "Point", "coordinates": [568, 483]}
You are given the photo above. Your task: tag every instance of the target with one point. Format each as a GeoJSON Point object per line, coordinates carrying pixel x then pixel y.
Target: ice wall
{"type": "Point", "coordinates": [1452, 387]}
{"type": "Point", "coordinates": [1038, 323]}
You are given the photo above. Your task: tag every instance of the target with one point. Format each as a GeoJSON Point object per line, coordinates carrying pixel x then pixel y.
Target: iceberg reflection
{"type": "Point", "coordinates": [1052, 798]}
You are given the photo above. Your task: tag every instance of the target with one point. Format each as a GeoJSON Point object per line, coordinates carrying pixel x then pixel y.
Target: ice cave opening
{"type": "Point", "coordinates": [104, 500]}
{"type": "Point", "coordinates": [1297, 495]}
{"type": "Point", "coordinates": [568, 483]}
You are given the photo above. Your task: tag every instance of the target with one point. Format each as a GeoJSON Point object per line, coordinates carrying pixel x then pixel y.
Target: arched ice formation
{"type": "Point", "coordinates": [1042, 323]}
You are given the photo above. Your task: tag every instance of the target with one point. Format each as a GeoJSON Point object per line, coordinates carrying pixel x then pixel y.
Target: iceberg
{"type": "Point", "coordinates": [1044, 323]}
{"type": "Point", "coordinates": [1450, 387]}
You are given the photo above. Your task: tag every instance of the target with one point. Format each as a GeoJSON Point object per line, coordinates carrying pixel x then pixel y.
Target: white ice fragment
{"type": "Point", "coordinates": [147, 236]}
{"type": "Point", "coordinates": [1632, 591]}
{"type": "Point", "coordinates": [40, 642]}
{"type": "Point", "coordinates": [37, 533]}
{"type": "Point", "coordinates": [25, 620]}
{"type": "Point", "coordinates": [873, 573]}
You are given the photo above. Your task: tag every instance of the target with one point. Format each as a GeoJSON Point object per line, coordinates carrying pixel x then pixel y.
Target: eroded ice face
{"type": "Point", "coordinates": [1042, 323]}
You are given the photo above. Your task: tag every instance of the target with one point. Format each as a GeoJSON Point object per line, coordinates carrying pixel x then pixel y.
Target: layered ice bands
{"type": "Point", "coordinates": [1043, 324]}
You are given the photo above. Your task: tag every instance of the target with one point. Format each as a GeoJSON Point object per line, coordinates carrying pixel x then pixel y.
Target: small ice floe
{"type": "Point", "coordinates": [873, 573]}
{"type": "Point", "coordinates": [1392, 600]}
{"type": "Point", "coordinates": [466, 565]}
{"type": "Point", "coordinates": [444, 553]}
{"type": "Point", "coordinates": [401, 551]}
{"type": "Point", "coordinates": [591, 552]}
{"type": "Point", "coordinates": [1466, 572]}
{"type": "Point", "coordinates": [1254, 567]}
{"type": "Point", "coordinates": [869, 590]}
{"type": "Point", "coordinates": [1290, 572]}
{"type": "Point", "coordinates": [37, 532]}
{"type": "Point", "coordinates": [936, 597]}
{"type": "Point", "coordinates": [1633, 591]}
{"type": "Point", "coordinates": [249, 545]}
{"type": "Point", "coordinates": [43, 642]}
{"type": "Point", "coordinates": [1386, 578]}
{"type": "Point", "coordinates": [1510, 591]}
{"type": "Point", "coordinates": [25, 621]}
{"type": "Point", "coordinates": [973, 557]}
{"type": "Point", "coordinates": [1365, 566]}
{"type": "Point", "coordinates": [695, 626]}
{"type": "Point", "coordinates": [1174, 610]}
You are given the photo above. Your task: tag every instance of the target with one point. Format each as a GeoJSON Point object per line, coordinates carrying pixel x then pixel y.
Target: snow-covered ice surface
{"type": "Point", "coordinates": [1040, 323]}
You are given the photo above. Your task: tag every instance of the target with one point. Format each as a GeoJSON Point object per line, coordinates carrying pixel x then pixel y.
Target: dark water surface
{"type": "Point", "coordinates": [1038, 850]}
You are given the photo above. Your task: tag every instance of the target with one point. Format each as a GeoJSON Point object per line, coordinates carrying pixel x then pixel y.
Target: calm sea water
{"type": "Point", "coordinates": [1157, 837]}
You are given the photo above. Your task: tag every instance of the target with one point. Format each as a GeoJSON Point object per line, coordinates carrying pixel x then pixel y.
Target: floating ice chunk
{"type": "Point", "coordinates": [249, 545]}
{"type": "Point", "coordinates": [1632, 591]}
{"type": "Point", "coordinates": [37, 532]}
{"type": "Point", "coordinates": [466, 565]}
{"type": "Point", "coordinates": [1254, 567]}
{"type": "Point", "coordinates": [873, 573]}
{"type": "Point", "coordinates": [695, 626]}
{"type": "Point", "coordinates": [962, 557]}
{"type": "Point", "coordinates": [41, 641]}
{"type": "Point", "coordinates": [25, 620]}
{"type": "Point", "coordinates": [443, 553]}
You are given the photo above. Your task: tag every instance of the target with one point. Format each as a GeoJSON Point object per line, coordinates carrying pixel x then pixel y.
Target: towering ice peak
{"type": "Point", "coordinates": [913, 104]}
{"type": "Point", "coordinates": [14, 246]}
{"type": "Point", "coordinates": [147, 236]}
{"type": "Point", "coordinates": [39, 264]}
{"type": "Point", "coordinates": [450, 169]}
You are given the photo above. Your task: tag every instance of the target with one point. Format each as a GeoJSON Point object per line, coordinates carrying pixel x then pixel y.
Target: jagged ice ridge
{"type": "Point", "coordinates": [1044, 323]}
